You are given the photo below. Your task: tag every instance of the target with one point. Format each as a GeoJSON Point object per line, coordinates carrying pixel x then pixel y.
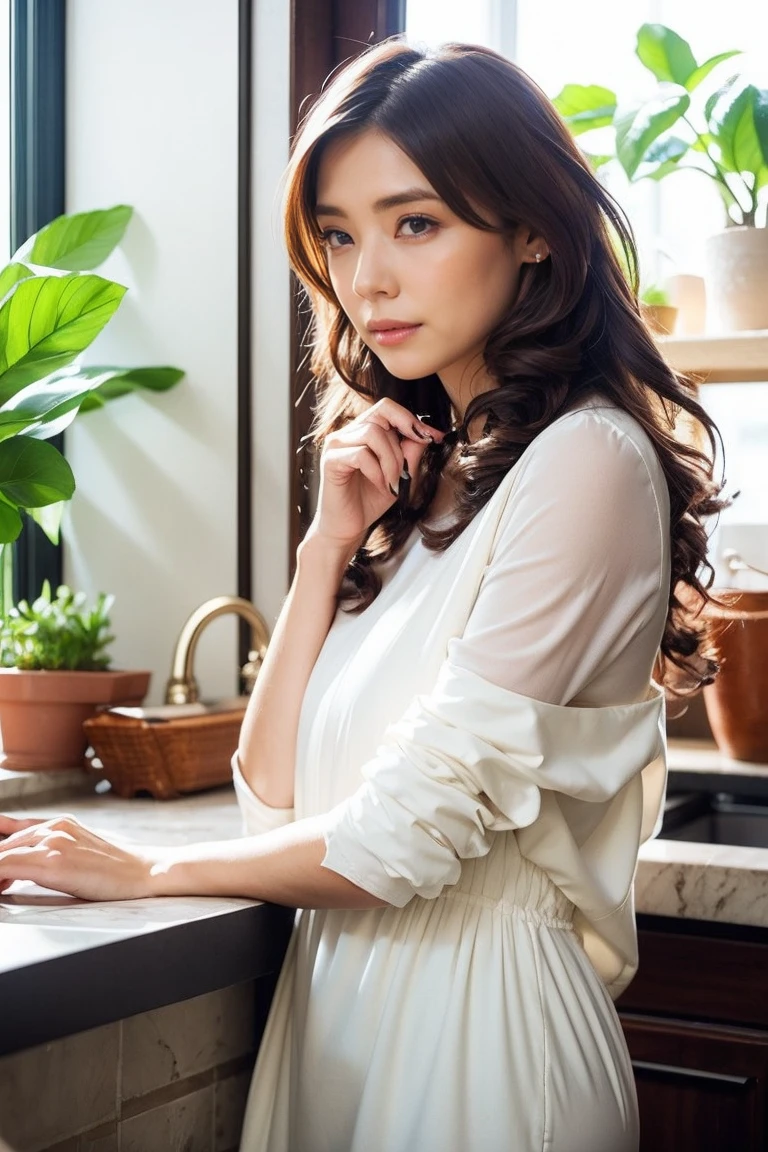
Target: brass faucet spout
{"type": "Point", "coordinates": [182, 687]}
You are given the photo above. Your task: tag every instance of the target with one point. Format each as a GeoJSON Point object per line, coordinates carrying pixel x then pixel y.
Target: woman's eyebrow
{"type": "Point", "coordinates": [408, 196]}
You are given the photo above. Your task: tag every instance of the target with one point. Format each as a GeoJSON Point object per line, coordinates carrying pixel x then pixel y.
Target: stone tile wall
{"type": "Point", "coordinates": [173, 1079]}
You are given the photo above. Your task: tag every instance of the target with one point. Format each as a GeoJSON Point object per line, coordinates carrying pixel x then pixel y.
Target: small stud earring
{"type": "Point", "coordinates": [538, 257]}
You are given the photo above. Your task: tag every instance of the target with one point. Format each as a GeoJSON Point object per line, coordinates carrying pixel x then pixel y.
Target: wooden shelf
{"type": "Point", "coordinates": [735, 357]}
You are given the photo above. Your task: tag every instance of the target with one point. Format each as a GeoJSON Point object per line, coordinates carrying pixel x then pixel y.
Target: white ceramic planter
{"type": "Point", "coordinates": [737, 279]}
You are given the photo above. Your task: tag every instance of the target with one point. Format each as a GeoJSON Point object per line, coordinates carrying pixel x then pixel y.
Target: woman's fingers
{"type": "Point", "coordinates": [358, 458]}
{"type": "Point", "coordinates": [399, 417]}
{"type": "Point", "coordinates": [10, 824]}
{"type": "Point", "coordinates": [382, 443]}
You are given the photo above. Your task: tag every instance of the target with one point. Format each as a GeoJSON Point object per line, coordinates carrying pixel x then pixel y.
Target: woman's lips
{"type": "Point", "coordinates": [395, 335]}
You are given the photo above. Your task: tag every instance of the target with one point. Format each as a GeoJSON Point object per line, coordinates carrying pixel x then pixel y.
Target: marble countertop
{"type": "Point", "coordinates": [69, 964]}
{"type": "Point", "coordinates": [674, 877]}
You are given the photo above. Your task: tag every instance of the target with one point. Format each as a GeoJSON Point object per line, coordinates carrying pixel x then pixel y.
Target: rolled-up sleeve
{"type": "Point", "coordinates": [577, 571]}
{"type": "Point", "coordinates": [257, 816]}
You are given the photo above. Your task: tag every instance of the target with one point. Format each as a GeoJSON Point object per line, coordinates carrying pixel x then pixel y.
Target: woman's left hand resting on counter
{"type": "Point", "coordinates": [282, 866]}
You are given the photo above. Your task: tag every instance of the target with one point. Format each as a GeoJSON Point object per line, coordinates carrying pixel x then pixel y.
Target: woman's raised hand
{"type": "Point", "coordinates": [361, 468]}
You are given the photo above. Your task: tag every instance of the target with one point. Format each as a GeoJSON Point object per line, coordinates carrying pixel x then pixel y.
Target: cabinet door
{"type": "Point", "coordinates": [700, 1087]}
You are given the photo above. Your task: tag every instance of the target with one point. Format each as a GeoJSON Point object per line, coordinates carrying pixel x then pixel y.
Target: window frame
{"type": "Point", "coordinates": [37, 196]}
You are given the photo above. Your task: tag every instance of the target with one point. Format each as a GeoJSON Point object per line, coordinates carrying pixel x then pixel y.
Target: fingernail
{"type": "Point", "coordinates": [394, 491]}
{"type": "Point", "coordinates": [418, 432]}
{"type": "Point", "coordinates": [405, 474]}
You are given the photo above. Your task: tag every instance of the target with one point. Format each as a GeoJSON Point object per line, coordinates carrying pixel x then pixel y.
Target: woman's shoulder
{"type": "Point", "coordinates": [598, 435]}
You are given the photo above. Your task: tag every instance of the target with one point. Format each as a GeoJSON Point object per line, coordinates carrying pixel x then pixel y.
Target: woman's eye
{"type": "Point", "coordinates": [420, 225]}
{"type": "Point", "coordinates": [329, 234]}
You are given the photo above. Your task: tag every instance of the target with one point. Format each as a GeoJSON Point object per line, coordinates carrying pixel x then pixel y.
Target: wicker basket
{"type": "Point", "coordinates": [164, 758]}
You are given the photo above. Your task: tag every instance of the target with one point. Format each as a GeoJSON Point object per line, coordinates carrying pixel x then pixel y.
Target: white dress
{"type": "Point", "coordinates": [489, 748]}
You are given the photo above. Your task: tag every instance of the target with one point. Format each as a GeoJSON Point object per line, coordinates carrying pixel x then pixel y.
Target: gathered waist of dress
{"type": "Point", "coordinates": [507, 884]}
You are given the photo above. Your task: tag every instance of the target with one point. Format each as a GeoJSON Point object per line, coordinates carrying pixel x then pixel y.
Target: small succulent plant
{"type": "Point", "coordinates": [57, 632]}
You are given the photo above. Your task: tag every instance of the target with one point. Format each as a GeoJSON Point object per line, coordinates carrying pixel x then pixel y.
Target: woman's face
{"type": "Point", "coordinates": [397, 253]}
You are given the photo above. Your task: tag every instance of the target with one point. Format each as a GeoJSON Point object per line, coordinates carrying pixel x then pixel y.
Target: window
{"type": "Point", "coordinates": [5, 136]}
{"type": "Point", "coordinates": [35, 32]}
{"type": "Point", "coordinates": [593, 42]}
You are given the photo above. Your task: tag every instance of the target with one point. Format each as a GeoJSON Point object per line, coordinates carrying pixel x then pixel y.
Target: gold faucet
{"type": "Point", "coordinates": [182, 686]}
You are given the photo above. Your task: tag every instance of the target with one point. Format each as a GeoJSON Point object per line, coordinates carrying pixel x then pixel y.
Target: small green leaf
{"type": "Point", "coordinates": [81, 241]}
{"type": "Point", "coordinates": [598, 161]}
{"type": "Point", "coordinates": [47, 322]}
{"type": "Point", "coordinates": [33, 473]}
{"type": "Point", "coordinates": [584, 107]}
{"type": "Point", "coordinates": [638, 127]}
{"type": "Point", "coordinates": [111, 383]}
{"type": "Point", "coordinates": [665, 53]}
{"type": "Point", "coordinates": [708, 66]}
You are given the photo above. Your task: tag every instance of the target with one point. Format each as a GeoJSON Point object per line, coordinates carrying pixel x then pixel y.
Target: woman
{"type": "Point", "coordinates": [455, 745]}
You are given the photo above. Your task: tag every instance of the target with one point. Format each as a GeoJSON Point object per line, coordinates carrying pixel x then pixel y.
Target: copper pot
{"type": "Point", "coordinates": [737, 702]}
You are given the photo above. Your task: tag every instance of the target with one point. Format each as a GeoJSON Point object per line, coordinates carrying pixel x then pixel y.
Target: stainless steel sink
{"type": "Point", "coordinates": [711, 815]}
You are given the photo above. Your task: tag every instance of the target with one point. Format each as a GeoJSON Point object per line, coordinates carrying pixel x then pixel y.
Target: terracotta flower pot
{"type": "Point", "coordinates": [660, 318]}
{"type": "Point", "coordinates": [737, 702]}
{"type": "Point", "coordinates": [736, 276]}
{"type": "Point", "coordinates": [42, 713]}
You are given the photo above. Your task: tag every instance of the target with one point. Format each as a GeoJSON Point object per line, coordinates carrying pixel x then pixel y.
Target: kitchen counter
{"type": "Point", "coordinates": [67, 965]}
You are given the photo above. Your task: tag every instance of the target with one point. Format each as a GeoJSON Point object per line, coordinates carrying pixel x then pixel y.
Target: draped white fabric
{"type": "Point", "coordinates": [485, 746]}
{"type": "Point", "coordinates": [472, 759]}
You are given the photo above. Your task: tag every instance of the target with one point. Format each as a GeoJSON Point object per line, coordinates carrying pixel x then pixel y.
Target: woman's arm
{"type": "Point", "coordinates": [359, 476]}
{"type": "Point", "coordinates": [283, 866]}
{"type": "Point", "coordinates": [267, 746]}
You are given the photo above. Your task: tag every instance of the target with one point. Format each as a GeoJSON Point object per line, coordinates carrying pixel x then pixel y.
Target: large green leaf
{"type": "Point", "coordinates": [81, 241]}
{"type": "Point", "coordinates": [638, 127]}
{"type": "Point", "coordinates": [47, 322]}
{"type": "Point", "coordinates": [11, 275]}
{"type": "Point", "coordinates": [704, 69]}
{"type": "Point", "coordinates": [38, 409]}
{"type": "Point", "coordinates": [732, 122]}
{"type": "Point", "coordinates": [584, 107]}
{"type": "Point", "coordinates": [33, 473]}
{"type": "Point", "coordinates": [665, 53]}
{"type": "Point", "coordinates": [110, 383]}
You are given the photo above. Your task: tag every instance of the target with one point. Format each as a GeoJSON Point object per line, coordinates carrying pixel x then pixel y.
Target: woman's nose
{"type": "Point", "coordinates": [374, 274]}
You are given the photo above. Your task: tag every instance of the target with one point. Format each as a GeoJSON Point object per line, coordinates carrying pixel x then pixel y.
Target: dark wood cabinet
{"type": "Point", "coordinates": [696, 1022]}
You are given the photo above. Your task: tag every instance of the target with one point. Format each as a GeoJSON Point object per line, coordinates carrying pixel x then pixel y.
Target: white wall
{"type": "Point", "coordinates": [152, 121]}
{"type": "Point", "coordinates": [271, 307]}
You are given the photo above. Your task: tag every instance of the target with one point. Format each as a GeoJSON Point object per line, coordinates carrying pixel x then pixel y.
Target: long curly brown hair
{"type": "Point", "coordinates": [481, 130]}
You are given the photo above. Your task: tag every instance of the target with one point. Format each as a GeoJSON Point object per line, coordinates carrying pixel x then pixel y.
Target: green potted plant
{"type": "Point", "coordinates": [724, 136]}
{"type": "Point", "coordinates": [52, 307]}
{"type": "Point", "coordinates": [56, 650]}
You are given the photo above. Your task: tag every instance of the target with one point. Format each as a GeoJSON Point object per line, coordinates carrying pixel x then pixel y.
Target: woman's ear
{"type": "Point", "coordinates": [533, 247]}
